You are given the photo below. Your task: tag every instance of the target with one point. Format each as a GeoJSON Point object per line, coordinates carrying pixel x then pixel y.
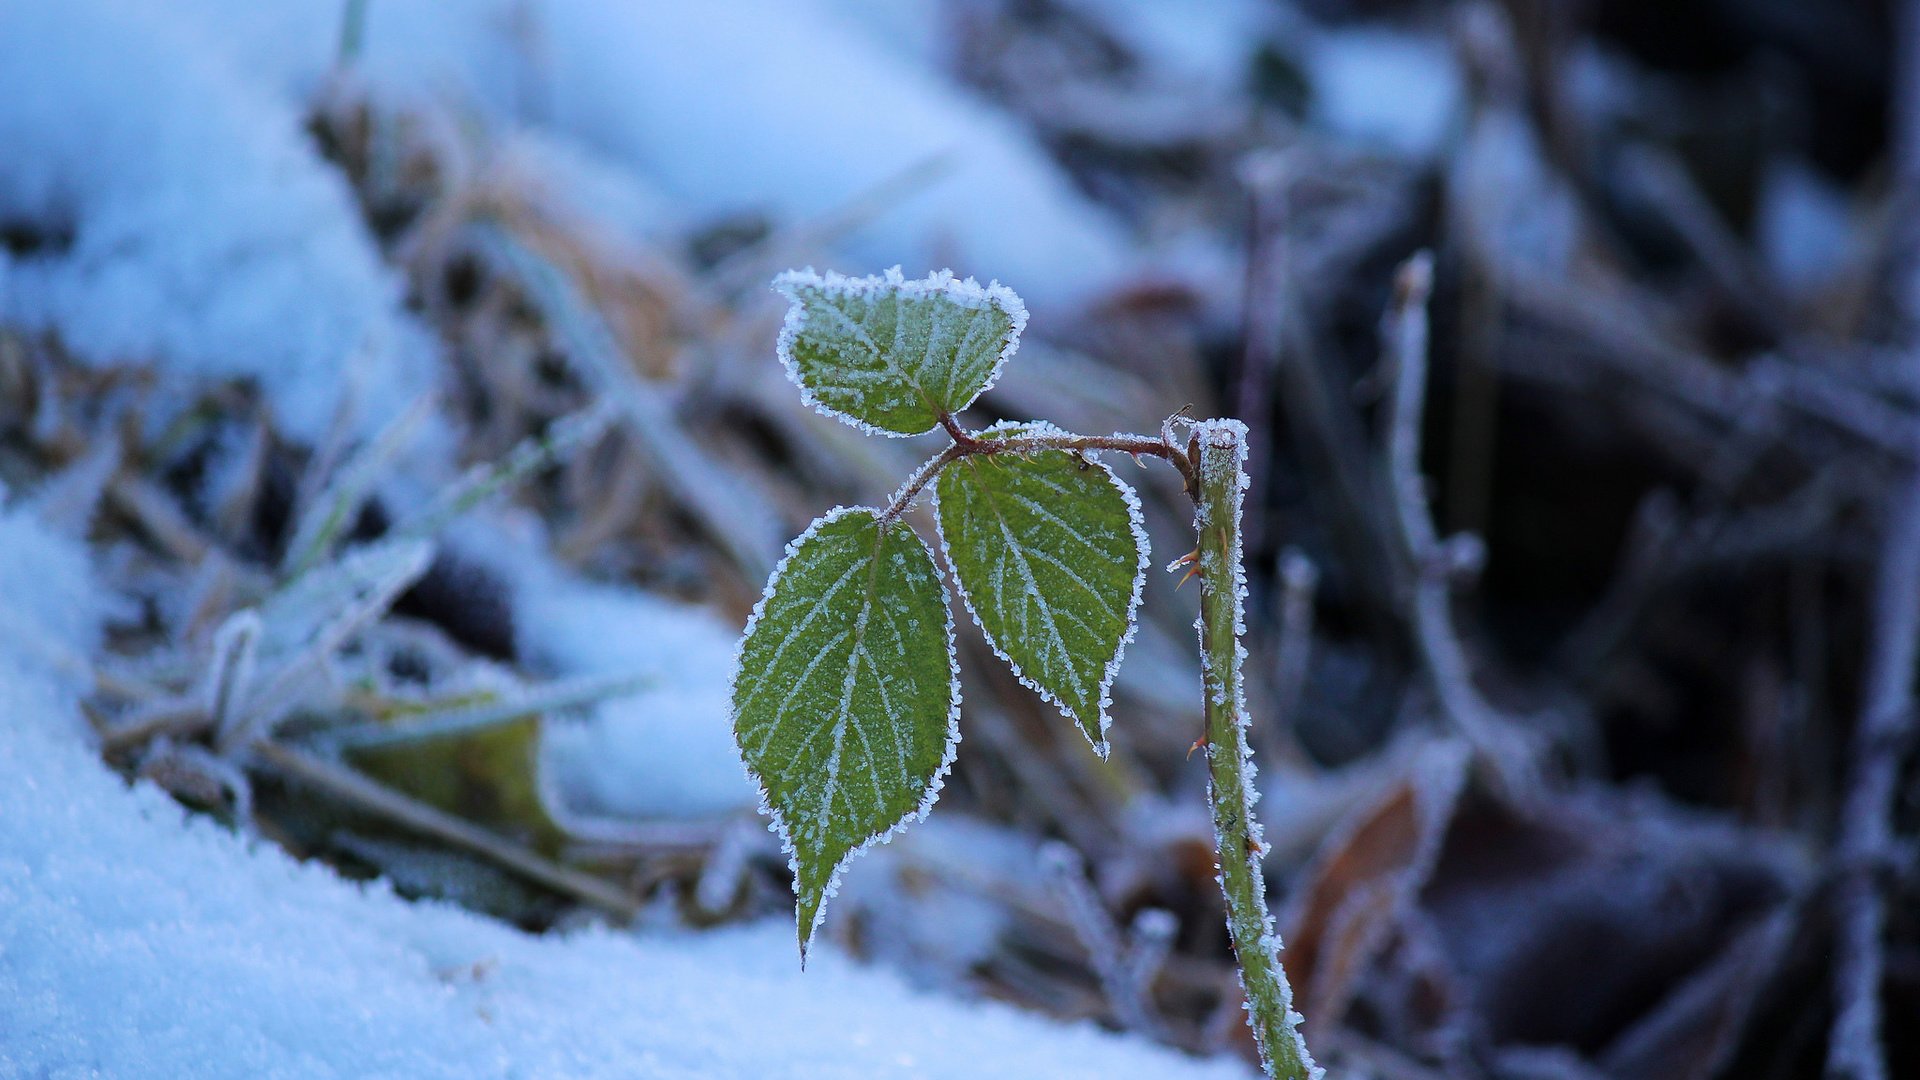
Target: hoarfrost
{"type": "Point", "coordinates": [1110, 665]}
{"type": "Point", "coordinates": [791, 831]}
{"type": "Point", "coordinates": [965, 293]}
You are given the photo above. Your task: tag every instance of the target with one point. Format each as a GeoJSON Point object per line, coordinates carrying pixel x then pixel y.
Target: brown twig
{"type": "Point", "coordinates": [967, 444]}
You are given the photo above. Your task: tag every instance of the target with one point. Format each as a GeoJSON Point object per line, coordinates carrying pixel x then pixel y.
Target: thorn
{"type": "Point", "coordinates": [1197, 744]}
{"type": "Point", "coordinates": [1191, 560]}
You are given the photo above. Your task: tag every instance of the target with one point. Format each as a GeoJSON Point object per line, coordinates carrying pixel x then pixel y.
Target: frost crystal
{"type": "Point", "coordinates": [1223, 481]}
{"type": "Point", "coordinates": [1050, 554]}
{"type": "Point", "coordinates": [889, 355]}
{"type": "Point", "coordinates": [846, 696]}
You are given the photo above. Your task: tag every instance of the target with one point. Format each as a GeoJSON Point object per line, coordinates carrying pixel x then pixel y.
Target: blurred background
{"type": "Point", "coordinates": [438, 337]}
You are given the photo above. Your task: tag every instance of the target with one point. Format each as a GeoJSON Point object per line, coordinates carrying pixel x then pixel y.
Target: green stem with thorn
{"type": "Point", "coordinates": [1218, 454]}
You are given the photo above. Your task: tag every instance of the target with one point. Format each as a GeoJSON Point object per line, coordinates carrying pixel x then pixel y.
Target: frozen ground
{"type": "Point", "coordinates": [136, 941]}
{"type": "Point", "coordinates": [176, 215]}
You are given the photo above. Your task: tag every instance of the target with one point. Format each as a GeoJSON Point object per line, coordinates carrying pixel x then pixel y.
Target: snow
{"type": "Point", "coordinates": [664, 752]}
{"type": "Point", "coordinates": [178, 180]}
{"type": "Point", "coordinates": [140, 941]}
{"type": "Point", "coordinates": [635, 82]}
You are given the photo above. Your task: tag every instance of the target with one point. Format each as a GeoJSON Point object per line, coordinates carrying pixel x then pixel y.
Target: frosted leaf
{"type": "Point", "coordinates": [890, 355]}
{"type": "Point", "coordinates": [1050, 555]}
{"type": "Point", "coordinates": [847, 695]}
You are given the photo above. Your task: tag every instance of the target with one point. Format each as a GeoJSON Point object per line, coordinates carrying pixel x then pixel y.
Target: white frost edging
{"type": "Point", "coordinates": [778, 824]}
{"type": "Point", "coordinates": [1136, 521]}
{"type": "Point", "coordinates": [965, 292]}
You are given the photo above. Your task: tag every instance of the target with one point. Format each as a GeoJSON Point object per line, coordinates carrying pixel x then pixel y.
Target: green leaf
{"type": "Point", "coordinates": [890, 355]}
{"type": "Point", "coordinates": [1050, 555]}
{"type": "Point", "coordinates": [489, 777]}
{"type": "Point", "coordinates": [847, 696]}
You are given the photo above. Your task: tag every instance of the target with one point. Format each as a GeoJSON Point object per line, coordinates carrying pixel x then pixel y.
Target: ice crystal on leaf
{"type": "Point", "coordinates": [1050, 556]}
{"type": "Point", "coordinates": [846, 696]}
{"type": "Point", "coordinates": [891, 355]}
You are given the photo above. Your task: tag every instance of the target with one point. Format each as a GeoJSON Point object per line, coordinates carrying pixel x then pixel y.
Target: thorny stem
{"type": "Point", "coordinates": [1220, 453]}
{"type": "Point", "coordinates": [1213, 466]}
{"type": "Point", "coordinates": [967, 444]}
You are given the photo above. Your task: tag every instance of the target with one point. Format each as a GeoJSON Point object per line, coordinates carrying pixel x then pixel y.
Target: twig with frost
{"type": "Point", "coordinates": [1436, 563]}
{"type": "Point", "coordinates": [1112, 959]}
{"type": "Point", "coordinates": [1867, 848]}
{"type": "Point", "coordinates": [67, 501]}
{"type": "Point", "coordinates": [331, 510]}
{"type": "Point", "coordinates": [1299, 580]}
{"type": "Point", "coordinates": [726, 866]}
{"type": "Point", "coordinates": [190, 770]}
{"type": "Point", "coordinates": [230, 675]}
{"type": "Point", "coordinates": [1886, 729]}
{"type": "Point", "coordinates": [483, 482]}
{"type": "Point", "coordinates": [441, 723]}
{"type": "Point", "coordinates": [160, 517]}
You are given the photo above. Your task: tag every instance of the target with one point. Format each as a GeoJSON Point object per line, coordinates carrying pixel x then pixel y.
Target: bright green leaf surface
{"type": "Point", "coordinates": [890, 354]}
{"type": "Point", "coordinates": [1050, 557]}
{"type": "Point", "coordinates": [845, 701]}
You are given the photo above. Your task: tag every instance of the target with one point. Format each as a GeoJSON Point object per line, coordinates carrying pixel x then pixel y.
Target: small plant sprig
{"type": "Point", "coordinates": [846, 697]}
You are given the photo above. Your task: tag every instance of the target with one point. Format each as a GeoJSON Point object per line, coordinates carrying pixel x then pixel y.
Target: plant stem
{"type": "Point", "coordinates": [1219, 455]}
{"type": "Point", "coordinates": [966, 444]}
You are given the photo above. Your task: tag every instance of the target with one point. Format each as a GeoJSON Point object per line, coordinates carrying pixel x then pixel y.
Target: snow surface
{"type": "Point", "coordinates": [179, 181]}
{"type": "Point", "coordinates": [137, 941]}
{"type": "Point", "coordinates": [639, 82]}
{"type": "Point", "coordinates": [664, 752]}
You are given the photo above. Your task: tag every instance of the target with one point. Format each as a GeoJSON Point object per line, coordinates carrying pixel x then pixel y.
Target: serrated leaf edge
{"type": "Point", "coordinates": [1136, 521]}
{"type": "Point", "coordinates": [778, 825]}
{"type": "Point", "coordinates": [965, 291]}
